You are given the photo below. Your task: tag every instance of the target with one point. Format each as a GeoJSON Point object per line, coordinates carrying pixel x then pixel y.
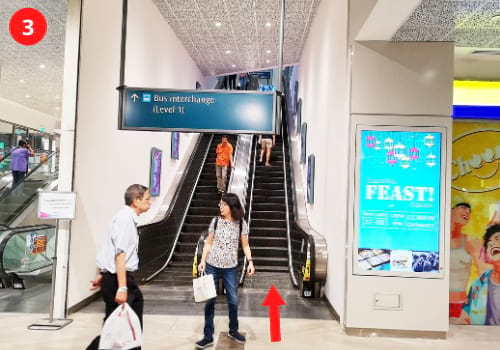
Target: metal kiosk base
{"type": "Point", "coordinates": [48, 325]}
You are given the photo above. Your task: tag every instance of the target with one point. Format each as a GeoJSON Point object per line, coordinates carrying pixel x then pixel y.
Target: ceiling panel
{"type": "Point", "coordinates": [470, 23]}
{"type": "Point", "coordinates": [243, 31]}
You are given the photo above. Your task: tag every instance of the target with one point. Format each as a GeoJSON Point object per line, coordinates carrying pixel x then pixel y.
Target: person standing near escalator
{"type": "Point", "coordinates": [19, 163]}
{"type": "Point", "coordinates": [220, 259]}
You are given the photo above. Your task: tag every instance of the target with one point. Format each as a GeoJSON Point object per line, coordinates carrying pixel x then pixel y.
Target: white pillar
{"type": "Point", "coordinates": [66, 158]}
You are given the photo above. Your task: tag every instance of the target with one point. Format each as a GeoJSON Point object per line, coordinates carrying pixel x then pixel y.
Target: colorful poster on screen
{"type": "Point", "coordinates": [399, 201]}
{"type": "Point", "coordinates": [155, 172]}
{"type": "Point", "coordinates": [475, 223]}
{"type": "Point", "coordinates": [174, 145]}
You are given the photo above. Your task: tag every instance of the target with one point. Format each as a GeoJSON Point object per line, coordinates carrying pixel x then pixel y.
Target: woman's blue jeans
{"type": "Point", "coordinates": [230, 278]}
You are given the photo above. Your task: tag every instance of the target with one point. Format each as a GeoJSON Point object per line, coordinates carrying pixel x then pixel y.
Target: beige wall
{"type": "Point", "coordinates": [384, 81]}
{"type": "Point", "coordinates": [107, 160]}
{"type": "Point", "coordinates": [323, 88]}
{"type": "Point", "coordinates": [402, 78]}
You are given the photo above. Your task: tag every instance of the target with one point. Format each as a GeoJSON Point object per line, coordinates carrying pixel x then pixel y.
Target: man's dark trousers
{"type": "Point", "coordinates": [109, 286]}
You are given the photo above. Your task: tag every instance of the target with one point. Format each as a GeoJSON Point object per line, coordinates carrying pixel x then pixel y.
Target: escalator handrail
{"type": "Point", "coordinates": [16, 231]}
{"type": "Point", "coordinates": [241, 166]}
{"type": "Point", "coordinates": [316, 242]}
{"type": "Point", "coordinates": [6, 193]}
{"type": "Point", "coordinates": [249, 214]}
{"type": "Point", "coordinates": [287, 213]}
{"type": "Point", "coordinates": [36, 150]}
{"type": "Point", "coordinates": [179, 229]}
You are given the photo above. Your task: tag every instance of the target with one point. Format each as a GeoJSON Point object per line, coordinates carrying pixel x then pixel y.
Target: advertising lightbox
{"type": "Point", "coordinates": [399, 201]}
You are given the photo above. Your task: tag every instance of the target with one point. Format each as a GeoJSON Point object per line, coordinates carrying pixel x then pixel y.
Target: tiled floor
{"type": "Point", "coordinates": [173, 321]}
{"type": "Point", "coordinates": [164, 332]}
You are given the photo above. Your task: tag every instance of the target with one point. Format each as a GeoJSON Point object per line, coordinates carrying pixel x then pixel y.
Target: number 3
{"type": "Point", "coordinates": [29, 26]}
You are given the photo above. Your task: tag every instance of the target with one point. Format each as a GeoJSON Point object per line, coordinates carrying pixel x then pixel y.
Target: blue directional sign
{"type": "Point", "coordinates": [199, 111]}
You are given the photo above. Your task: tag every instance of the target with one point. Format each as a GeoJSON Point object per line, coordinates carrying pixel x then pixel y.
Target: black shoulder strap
{"type": "Point", "coordinates": [215, 223]}
{"type": "Point", "coordinates": [241, 226]}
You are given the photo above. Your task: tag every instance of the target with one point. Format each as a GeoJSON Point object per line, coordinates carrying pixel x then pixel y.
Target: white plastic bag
{"type": "Point", "coordinates": [122, 329]}
{"type": "Point", "coordinates": [204, 288]}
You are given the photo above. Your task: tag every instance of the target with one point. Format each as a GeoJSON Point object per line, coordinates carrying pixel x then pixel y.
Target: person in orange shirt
{"type": "Point", "coordinates": [224, 159]}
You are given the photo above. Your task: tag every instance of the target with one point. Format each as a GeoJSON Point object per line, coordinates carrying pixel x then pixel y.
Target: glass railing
{"type": "Point", "coordinates": [26, 251]}
{"type": "Point", "coordinates": [6, 173]}
{"type": "Point", "coordinates": [14, 200]}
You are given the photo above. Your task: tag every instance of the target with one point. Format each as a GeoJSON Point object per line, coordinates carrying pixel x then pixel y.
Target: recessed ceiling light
{"type": "Point", "coordinates": [268, 24]}
{"type": "Point", "coordinates": [233, 65]}
{"type": "Point", "coordinates": [27, 96]}
{"type": "Point", "coordinates": [218, 24]}
{"type": "Point", "coordinates": [21, 81]}
{"type": "Point", "coordinates": [42, 66]}
{"type": "Point", "coordinates": [57, 97]}
{"type": "Point", "coordinates": [267, 61]}
{"type": "Point", "coordinates": [228, 51]}
{"type": "Point", "coordinates": [268, 51]}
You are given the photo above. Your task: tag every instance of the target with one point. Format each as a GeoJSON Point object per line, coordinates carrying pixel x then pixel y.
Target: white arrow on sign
{"type": "Point", "coordinates": [135, 97]}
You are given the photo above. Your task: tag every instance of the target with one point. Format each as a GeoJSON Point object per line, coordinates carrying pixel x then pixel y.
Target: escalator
{"type": "Point", "coordinates": [202, 208]}
{"type": "Point", "coordinates": [6, 173]}
{"type": "Point", "coordinates": [286, 251]}
{"type": "Point", "coordinates": [165, 247]}
{"type": "Point", "coordinates": [14, 200]}
{"type": "Point", "coordinates": [25, 252]}
{"type": "Point", "coordinates": [268, 234]}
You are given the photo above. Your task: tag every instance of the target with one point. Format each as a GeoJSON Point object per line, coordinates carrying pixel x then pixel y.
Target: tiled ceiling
{"type": "Point", "coordinates": [242, 31]}
{"type": "Point", "coordinates": [32, 75]}
{"type": "Point", "coordinates": [231, 36]}
{"type": "Point", "coordinates": [469, 23]}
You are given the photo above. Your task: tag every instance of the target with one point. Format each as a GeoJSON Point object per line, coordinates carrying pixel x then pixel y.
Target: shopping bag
{"type": "Point", "coordinates": [122, 329]}
{"type": "Point", "coordinates": [204, 288]}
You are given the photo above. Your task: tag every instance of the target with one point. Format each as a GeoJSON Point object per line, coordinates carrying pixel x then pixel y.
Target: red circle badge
{"type": "Point", "coordinates": [28, 26]}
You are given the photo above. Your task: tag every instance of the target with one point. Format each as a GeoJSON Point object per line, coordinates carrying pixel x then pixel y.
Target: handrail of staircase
{"type": "Point", "coordinates": [179, 229]}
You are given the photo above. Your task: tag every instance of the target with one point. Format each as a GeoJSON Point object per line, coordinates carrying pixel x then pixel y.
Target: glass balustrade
{"type": "Point", "coordinates": [27, 251]}
{"type": "Point", "coordinates": [14, 200]}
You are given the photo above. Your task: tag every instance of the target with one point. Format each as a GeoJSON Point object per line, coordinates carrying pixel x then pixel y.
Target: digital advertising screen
{"type": "Point", "coordinates": [155, 172]}
{"type": "Point", "coordinates": [398, 199]}
{"type": "Point", "coordinates": [174, 145]}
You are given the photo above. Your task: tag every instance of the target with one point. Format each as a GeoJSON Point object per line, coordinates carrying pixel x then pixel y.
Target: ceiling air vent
{"type": "Point", "coordinates": [486, 52]}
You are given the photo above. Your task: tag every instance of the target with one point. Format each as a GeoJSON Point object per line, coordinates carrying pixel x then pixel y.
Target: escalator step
{"type": "Point", "coordinates": [266, 214]}
{"type": "Point", "coordinates": [280, 242]}
{"type": "Point", "coordinates": [269, 252]}
{"type": "Point", "coordinates": [194, 227]}
{"type": "Point", "coordinates": [198, 219]}
{"type": "Point", "coordinates": [269, 206]}
{"type": "Point", "coordinates": [267, 232]}
{"type": "Point", "coordinates": [256, 223]}
{"type": "Point", "coordinates": [204, 211]}
{"type": "Point", "coordinates": [268, 199]}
